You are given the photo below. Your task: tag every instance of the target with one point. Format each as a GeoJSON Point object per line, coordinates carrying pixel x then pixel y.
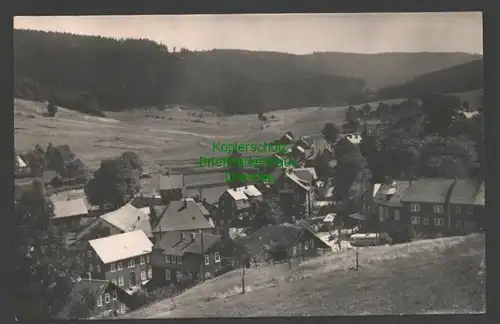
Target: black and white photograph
{"type": "Point", "coordinates": [248, 165]}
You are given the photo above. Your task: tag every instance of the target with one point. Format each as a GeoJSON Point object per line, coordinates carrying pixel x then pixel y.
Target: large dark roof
{"type": "Point", "coordinates": [464, 192]}
{"type": "Point", "coordinates": [82, 289]}
{"type": "Point", "coordinates": [430, 190]}
{"type": "Point", "coordinates": [269, 236]}
{"type": "Point", "coordinates": [172, 243]}
{"type": "Point", "coordinates": [180, 217]}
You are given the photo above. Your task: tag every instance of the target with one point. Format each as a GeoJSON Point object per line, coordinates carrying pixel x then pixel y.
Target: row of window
{"type": "Point", "coordinates": [439, 209]}
{"type": "Point", "coordinates": [177, 259]}
{"type": "Point", "coordinates": [107, 298]}
{"type": "Point", "coordinates": [131, 263]}
{"type": "Point", "coordinates": [109, 312]}
{"type": "Point", "coordinates": [438, 221]}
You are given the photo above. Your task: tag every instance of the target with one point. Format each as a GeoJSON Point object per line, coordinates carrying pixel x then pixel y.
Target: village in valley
{"type": "Point", "coordinates": [144, 232]}
{"type": "Point", "coordinates": [136, 246]}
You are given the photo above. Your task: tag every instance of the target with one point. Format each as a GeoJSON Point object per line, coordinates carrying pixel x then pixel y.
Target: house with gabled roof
{"type": "Point", "coordinates": [183, 258]}
{"type": "Point", "coordinates": [126, 219]}
{"type": "Point", "coordinates": [183, 216]}
{"type": "Point", "coordinates": [93, 299]}
{"type": "Point", "coordinates": [295, 195]}
{"type": "Point", "coordinates": [69, 213]}
{"type": "Point", "coordinates": [123, 259]}
{"type": "Point", "coordinates": [21, 168]}
{"type": "Point", "coordinates": [281, 242]}
{"type": "Point", "coordinates": [425, 205]}
{"type": "Point", "coordinates": [387, 206]}
{"type": "Point", "coordinates": [306, 174]}
{"type": "Point", "coordinates": [171, 187]}
{"type": "Point", "coordinates": [237, 207]}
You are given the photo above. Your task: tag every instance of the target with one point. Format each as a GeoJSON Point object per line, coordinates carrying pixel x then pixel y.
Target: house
{"type": "Point", "coordinates": [296, 196]}
{"type": "Point", "coordinates": [387, 206]}
{"type": "Point", "coordinates": [425, 205]}
{"type": "Point", "coordinates": [69, 213]}
{"type": "Point", "coordinates": [126, 219]}
{"type": "Point", "coordinates": [171, 187]}
{"type": "Point", "coordinates": [280, 242]}
{"type": "Point", "coordinates": [21, 168]}
{"type": "Point", "coordinates": [124, 259]}
{"type": "Point", "coordinates": [346, 143]}
{"type": "Point", "coordinates": [182, 258]}
{"type": "Point", "coordinates": [237, 207]}
{"type": "Point", "coordinates": [92, 299]}
{"type": "Point", "coordinates": [298, 153]}
{"type": "Point", "coordinates": [465, 216]}
{"type": "Point", "coordinates": [183, 216]}
{"type": "Point", "coordinates": [304, 144]}
{"type": "Point", "coordinates": [307, 175]}
{"type": "Point", "coordinates": [286, 139]}
{"type": "Point", "coordinates": [142, 200]}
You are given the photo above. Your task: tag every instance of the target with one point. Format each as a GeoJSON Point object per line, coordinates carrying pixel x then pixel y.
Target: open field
{"type": "Point", "coordinates": [430, 276]}
{"type": "Point", "coordinates": [176, 142]}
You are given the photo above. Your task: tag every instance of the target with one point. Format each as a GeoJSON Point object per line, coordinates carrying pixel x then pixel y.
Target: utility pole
{"type": "Point", "coordinates": [202, 258]}
{"type": "Point", "coordinates": [243, 279]}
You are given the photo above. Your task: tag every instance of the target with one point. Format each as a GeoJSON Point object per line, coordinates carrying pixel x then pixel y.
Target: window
{"type": "Point", "coordinates": [179, 275]}
{"type": "Point", "coordinates": [91, 268]}
{"type": "Point", "coordinates": [217, 257]}
{"type": "Point", "coordinates": [380, 211]}
{"type": "Point", "coordinates": [466, 224]}
{"type": "Point", "coordinates": [123, 308]}
{"type": "Point", "coordinates": [415, 207]}
{"type": "Point", "coordinates": [457, 224]}
{"type": "Point", "coordinates": [174, 259]}
{"type": "Point", "coordinates": [221, 222]}
{"type": "Point", "coordinates": [120, 266]}
{"type": "Point", "coordinates": [458, 210]}
{"type": "Point", "coordinates": [439, 221]}
{"type": "Point", "coordinates": [396, 215]}
{"type": "Point", "coordinates": [415, 220]}
{"type": "Point", "coordinates": [105, 313]}
{"type": "Point", "coordinates": [472, 225]}
{"type": "Point", "coordinates": [147, 259]}
{"type": "Point", "coordinates": [439, 209]}
{"type": "Point", "coordinates": [470, 210]}
{"type": "Point", "coordinates": [89, 254]}
{"type": "Point", "coordinates": [120, 281]}
{"type": "Point", "coordinates": [167, 259]}
{"type": "Point", "coordinates": [179, 259]}
{"type": "Point", "coordinates": [114, 281]}
{"type": "Point", "coordinates": [207, 260]}
{"type": "Point", "coordinates": [143, 275]}
{"type": "Point", "coordinates": [99, 301]}
{"type": "Point", "coordinates": [98, 268]}
{"type": "Point", "coordinates": [167, 274]}
{"type": "Point", "coordinates": [112, 267]}
{"type": "Point", "coordinates": [107, 298]}
{"type": "Point", "coordinates": [150, 273]}
{"type": "Point", "coordinates": [426, 220]}
{"type": "Point", "coordinates": [143, 260]}
{"type": "Point", "coordinates": [115, 295]}
{"type": "Point", "coordinates": [131, 263]}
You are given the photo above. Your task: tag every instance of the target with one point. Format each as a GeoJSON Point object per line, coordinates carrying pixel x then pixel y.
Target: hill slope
{"type": "Point", "coordinates": [459, 78]}
{"type": "Point", "coordinates": [131, 73]}
{"type": "Point", "coordinates": [430, 276]}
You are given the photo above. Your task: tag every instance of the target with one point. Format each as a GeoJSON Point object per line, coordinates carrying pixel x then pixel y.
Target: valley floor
{"type": "Point", "coordinates": [430, 276]}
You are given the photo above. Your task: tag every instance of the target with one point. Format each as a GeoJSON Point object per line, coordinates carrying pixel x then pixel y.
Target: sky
{"type": "Point", "coordinates": [291, 33]}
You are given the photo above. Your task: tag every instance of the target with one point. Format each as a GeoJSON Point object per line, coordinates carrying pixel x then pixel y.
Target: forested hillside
{"type": "Point", "coordinates": [90, 73]}
{"type": "Point", "coordinates": [460, 78]}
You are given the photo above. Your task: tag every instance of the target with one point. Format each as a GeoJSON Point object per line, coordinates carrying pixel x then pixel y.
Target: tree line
{"type": "Point", "coordinates": [435, 141]}
{"type": "Point", "coordinates": [91, 73]}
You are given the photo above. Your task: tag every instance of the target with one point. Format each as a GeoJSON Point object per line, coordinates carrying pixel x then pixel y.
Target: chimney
{"type": "Point", "coordinates": [89, 275]}
{"type": "Point", "coordinates": [200, 192]}
{"type": "Point", "coordinates": [193, 237]}
{"type": "Point", "coordinates": [182, 236]}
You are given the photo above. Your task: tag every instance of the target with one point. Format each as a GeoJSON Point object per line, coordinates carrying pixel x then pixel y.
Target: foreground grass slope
{"type": "Point", "coordinates": [430, 276]}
